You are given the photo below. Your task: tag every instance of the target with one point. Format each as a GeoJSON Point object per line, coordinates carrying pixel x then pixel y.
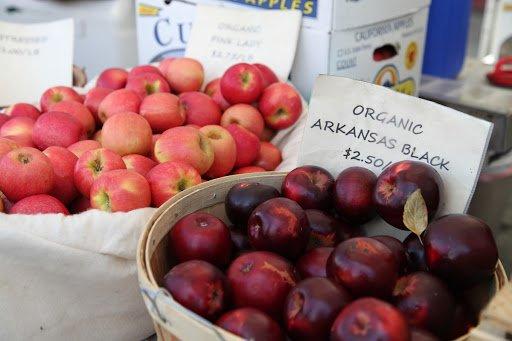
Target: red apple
{"type": "Point", "coordinates": [247, 145]}
{"type": "Point", "coordinates": [164, 64]}
{"type": "Point", "coordinates": [241, 83]}
{"type": "Point", "coordinates": [201, 236]}
{"type": "Point", "coordinates": [92, 164]}
{"type": "Point", "coordinates": [325, 229]}
{"type": "Point", "coordinates": [261, 280]}
{"type": "Point", "coordinates": [353, 195]}
{"type": "Point", "coordinates": [199, 287]}
{"type": "Point", "coordinates": [245, 115]}
{"type": "Point", "coordinates": [224, 150]}
{"type": "Point", "coordinates": [23, 109]}
{"type": "Point", "coordinates": [187, 145]}
{"type": "Point", "coordinates": [267, 75]}
{"type": "Point", "coordinates": [249, 169]}
{"type": "Point", "coordinates": [398, 182]}
{"type": "Point", "coordinates": [58, 94]}
{"type": "Point", "coordinates": [309, 186]}
{"type": "Point", "coordinates": [370, 319]}
{"type": "Point", "coordinates": [120, 190]}
{"type": "Point", "coordinates": [199, 109]}
{"type": "Point", "coordinates": [63, 162]}
{"type": "Point", "coordinates": [20, 126]}
{"type": "Point", "coordinates": [147, 83]}
{"type": "Point", "coordinates": [6, 145]}
{"type": "Point", "coordinates": [162, 111]}
{"type": "Point", "coordinates": [251, 324]}
{"type": "Point", "coordinates": [184, 74]}
{"type": "Point", "coordinates": [39, 204]}
{"type": "Point", "coordinates": [314, 262]}
{"type": "Point", "coordinates": [279, 225]}
{"type": "Point", "coordinates": [398, 250]}
{"type": "Point", "coordinates": [56, 128]}
{"type": "Point", "coordinates": [80, 147]}
{"type": "Point", "coordinates": [212, 89]}
{"type": "Point", "coordinates": [169, 178]}
{"type": "Point", "coordinates": [3, 118]}
{"type": "Point", "coordinates": [78, 111]}
{"type": "Point", "coordinates": [281, 106]}
{"type": "Point", "coordinates": [25, 172]}
{"type": "Point", "coordinates": [423, 335]}
{"type": "Point", "coordinates": [113, 78]}
{"type": "Point", "coordinates": [93, 99]}
{"type": "Point", "coordinates": [127, 133]}
{"type": "Point", "coordinates": [118, 101]}
{"type": "Point", "coordinates": [142, 69]}
{"type": "Point", "coordinates": [269, 157]}
{"type": "Point", "coordinates": [139, 163]}
{"type": "Point", "coordinates": [21, 140]}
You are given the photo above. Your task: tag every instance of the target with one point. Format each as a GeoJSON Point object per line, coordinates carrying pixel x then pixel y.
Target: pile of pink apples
{"type": "Point", "coordinates": [140, 137]}
{"type": "Point", "coordinates": [296, 264]}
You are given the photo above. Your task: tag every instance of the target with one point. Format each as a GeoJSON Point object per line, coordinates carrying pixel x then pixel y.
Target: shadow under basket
{"type": "Point", "coordinates": [174, 322]}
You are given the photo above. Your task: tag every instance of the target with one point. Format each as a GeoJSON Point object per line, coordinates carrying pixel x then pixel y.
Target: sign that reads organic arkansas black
{"type": "Point", "coordinates": [352, 123]}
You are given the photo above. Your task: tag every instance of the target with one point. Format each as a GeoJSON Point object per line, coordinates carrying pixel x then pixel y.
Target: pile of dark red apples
{"type": "Point", "coordinates": [140, 136]}
{"type": "Point", "coordinates": [297, 265]}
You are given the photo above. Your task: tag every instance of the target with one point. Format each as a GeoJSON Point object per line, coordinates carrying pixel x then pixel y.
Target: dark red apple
{"type": "Point", "coordinates": [200, 287]}
{"type": "Point", "coordinates": [314, 262]}
{"type": "Point", "coordinates": [353, 195]}
{"type": "Point", "coordinates": [279, 225]}
{"type": "Point", "coordinates": [262, 280]}
{"type": "Point", "coordinates": [239, 240]}
{"type": "Point", "coordinates": [396, 184]}
{"type": "Point", "coordinates": [422, 335]}
{"type": "Point", "coordinates": [244, 197]}
{"type": "Point", "coordinates": [311, 308]}
{"type": "Point", "coordinates": [324, 229]}
{"type": "Point", "coordinates": [461, 249]}
{"type": "Point", "coordinates": [425, 301]}
{"type": "Point", "coordinates": [370, 319]}
{"type": "Point", "coordinates": [415, 254]}
{"type": "Point", "coordinates": [364, 266]}
{"type": "Point", "coordinates": [463, 321]}
{"type": "Point", "coordinates": [309, 186]}
{"type": "Point", "coordinates": [201, 236]}
{"type": "Point", "coordinates": [398, 250]}
{"type": "Point", "coordinates": [251, 324]}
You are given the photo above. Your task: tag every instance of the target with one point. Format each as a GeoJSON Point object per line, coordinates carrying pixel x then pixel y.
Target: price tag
{"type": "Point", "coordinates": [34, 57]}
{"type": "Point", "coordinates": [352, 123]}
{"type": "Point", "coordinates": [221, 37]}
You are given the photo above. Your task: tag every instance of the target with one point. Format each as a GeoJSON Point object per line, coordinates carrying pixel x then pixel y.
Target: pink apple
{"type": "Point", "coordinates": [147, 83]}
{"type": "Point", "coordinates": [164, 64]}
{"type": "Point", "coordinates": [21, 140]}
{"type": "Point", "coordinates": [6, 146]}
{"type": "Point", "coordinates": [281, 106]}
{"type": "Point", "coordinates": [153, 143]}
{"type": "Point", "coordinates": [78, 111]}
{"type": "Point", "coordinates": [187, 145]}
{"type": "Point", "coordinates": [92, 164]}
{"type": "Point", "coordinates": [268, 76]}
{"type": "Point", "coordinates": [246, 115]}
{"type": "Point", "coordinates": [169, 178]}
{"type": "Point", "coordinates": [3, 118]}
{"type": "Point", "coordinates": [93, 99]}
{"type": "Point", "coordinates": [142, 69]}
{"type": "Point", "coordinates": [63, 162]}
{"type": "Point", "coordinates": [58, 94]}
{"type": "Point", "coordinates": [97, 136]}
{"type": "Point", "coordinates": [249, 169]}
{"type": "Point", "coordinates": [241, 83]}
{"type": "Point", "coordinates": [18, 126]}
{"type": "Point", "coordinates": [39, 204]}
{"type": "Point", "coordinates": [120, 190]}
{"type": "Point", "coordinates": [269, 157]}
{"type": "Point", "coordinates": [127, 133]}
{"type": "Point", "coordinates": [184, 74]}
{"type": "Point", "coordinates": [224, 150]}
{"type": "Point", "coordinates": [118, 101]}
{"type": "Point", "coordinates": [162, 111]}
{"type": "Point", "coordinates": [56, 128]}
{"type": "Point", "coordinates": [139, 163]}
{"type": "Point", "coordinates": [112, 78]}
{"type": "Point", "coordinates": [199, 109]}
{"type": "Point", "coordinates": [80, 147]}
{"type": "Point", "coordinates": [247, 145]}
{"type": "Point", "coordinates": [80, 205]}
{"type": "Point", "coordinates": [212, 89]}
{"type": "Point", "coordinates": [23, 109]}
{"type": "Point", "coordinates": [25, 171]}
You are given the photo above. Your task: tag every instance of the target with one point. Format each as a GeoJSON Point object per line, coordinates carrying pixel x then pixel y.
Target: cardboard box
{"type": "Point", "coordinates": [371, 40]}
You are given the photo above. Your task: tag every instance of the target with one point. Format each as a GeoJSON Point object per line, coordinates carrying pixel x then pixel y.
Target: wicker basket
{"type": "Point", "coordinates": [171, 320]}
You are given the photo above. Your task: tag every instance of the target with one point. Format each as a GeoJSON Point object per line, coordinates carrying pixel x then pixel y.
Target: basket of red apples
{"type": "Point", "coordinates": [280, 256]}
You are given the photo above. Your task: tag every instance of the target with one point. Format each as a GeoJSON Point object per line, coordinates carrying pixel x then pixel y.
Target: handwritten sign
{"type": "Point", "coordinates": [352, 123]}
{"type": "Point", "coordinates": [34, 57]}
{"type": "Point", "coordinates": [221, 37]}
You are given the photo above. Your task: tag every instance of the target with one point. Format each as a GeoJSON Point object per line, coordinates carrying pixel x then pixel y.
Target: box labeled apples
{"type": "Point", "coordinates": [374, 127]}
{"type": "Point", "coordinates": [370, 40]}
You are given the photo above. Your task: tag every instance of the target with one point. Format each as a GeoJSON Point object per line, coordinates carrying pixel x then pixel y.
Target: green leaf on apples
{"type": "Point", "coordinates": [416, 213]}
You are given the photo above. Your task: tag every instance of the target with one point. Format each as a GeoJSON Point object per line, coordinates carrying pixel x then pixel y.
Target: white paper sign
{"type": "Point", "coordinates": [34, 57]}
{"type": "Point", "coordinates": [221, 37]}
{"type": "Point", "coordinates": [352, 123]}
